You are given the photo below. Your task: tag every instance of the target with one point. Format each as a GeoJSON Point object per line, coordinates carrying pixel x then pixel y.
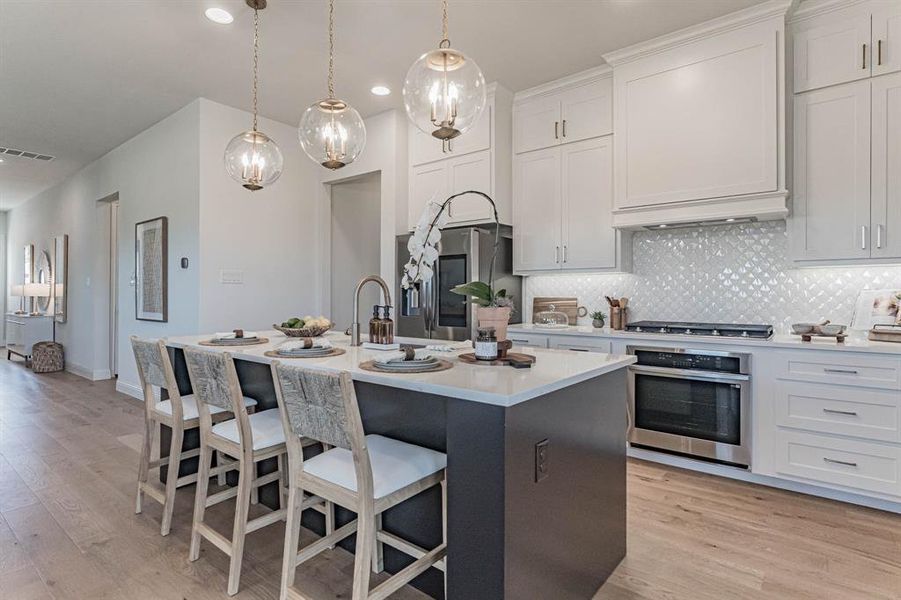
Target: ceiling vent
{"type": "Point", "coordinates": [26, 154]}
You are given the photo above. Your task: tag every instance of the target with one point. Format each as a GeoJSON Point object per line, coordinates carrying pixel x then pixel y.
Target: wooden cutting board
{"type": "Point", "coordinates": [568, 306]}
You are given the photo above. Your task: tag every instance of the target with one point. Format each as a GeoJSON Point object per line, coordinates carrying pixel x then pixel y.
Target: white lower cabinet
{"type": "Point", "coordinates": [528, 339]}
{"type": "Point", "coordinates": [830, 418]}
{"type": "Point", "coordinates": [850, 463]}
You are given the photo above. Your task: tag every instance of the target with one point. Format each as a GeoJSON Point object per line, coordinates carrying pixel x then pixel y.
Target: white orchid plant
{"type": "Point", "coordinates": [423, 248]}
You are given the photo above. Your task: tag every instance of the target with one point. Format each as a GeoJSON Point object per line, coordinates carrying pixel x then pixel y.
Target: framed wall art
{"type": "Point", "coordinates": [151, 268]}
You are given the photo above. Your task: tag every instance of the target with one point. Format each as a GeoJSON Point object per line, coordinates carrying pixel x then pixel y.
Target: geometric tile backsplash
{"type": "Point", "coordinates": [727, 273]}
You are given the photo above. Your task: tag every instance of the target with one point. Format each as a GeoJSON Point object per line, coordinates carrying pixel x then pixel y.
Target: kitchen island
{"type": "Point", "coordinates": [536, 464]}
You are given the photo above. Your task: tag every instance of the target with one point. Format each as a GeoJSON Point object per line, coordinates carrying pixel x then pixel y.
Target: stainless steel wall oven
{"type": "Point", "coordinates": [690, 401]}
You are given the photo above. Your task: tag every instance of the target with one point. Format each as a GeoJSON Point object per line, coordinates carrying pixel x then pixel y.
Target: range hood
{"type": "Point", "coordinates": [769, 206]}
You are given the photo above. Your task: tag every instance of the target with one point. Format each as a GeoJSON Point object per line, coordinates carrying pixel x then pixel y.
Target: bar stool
{"type": "Point", "coordinates": [366, 474]}
{"type": "Point", "coordinates": [179, 413]}
{"type": "Point", "coordinates": [248, 437]}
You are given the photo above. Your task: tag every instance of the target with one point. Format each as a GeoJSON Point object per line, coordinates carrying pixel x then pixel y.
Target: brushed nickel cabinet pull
{"type": "Point", "coordinates": [841, 371]}
{"type": "Point", "coordinates": [878, 55]}
{"type": "Point", "coordinates": [556, 127]}
{"type": "Point", "coordinates": [556, 254]}
{"type": "Point", "coordinates": [832, 411]}
{"type": "Point", "coordinates": [863, 237]}
{"type": "Point", "coordinates": [879, 236]}
{"type": "Point", "coordinates": [564, 127]}
{"type": "Point", "coordinates": [863, 57]}
{"type": "Point", "coordinates": [839, 462]}
{"type": "Point", "coordinates": [564, 252]}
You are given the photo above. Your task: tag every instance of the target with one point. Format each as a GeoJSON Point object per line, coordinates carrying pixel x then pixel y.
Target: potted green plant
{"type": "Point", "coordinates": [494, 308]}
{"type": "Point", "coordinates": [597, 319]}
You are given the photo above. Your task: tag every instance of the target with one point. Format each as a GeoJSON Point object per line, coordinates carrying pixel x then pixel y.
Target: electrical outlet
{"type": "Point", "coordinates": [541, 460]}
{"type": "Point", "coordinates": [231, 276]}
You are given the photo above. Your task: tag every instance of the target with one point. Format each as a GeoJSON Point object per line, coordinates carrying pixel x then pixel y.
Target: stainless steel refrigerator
{"type": "Point", "coordinates": [431, 310]}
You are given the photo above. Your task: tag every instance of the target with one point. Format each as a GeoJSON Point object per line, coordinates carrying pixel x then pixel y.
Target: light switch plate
{"type": "Point", "coordinates": [231, 276]}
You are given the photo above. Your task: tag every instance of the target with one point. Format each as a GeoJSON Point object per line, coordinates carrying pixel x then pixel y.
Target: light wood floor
{"type": "Point", "coordinates": [68, 463]}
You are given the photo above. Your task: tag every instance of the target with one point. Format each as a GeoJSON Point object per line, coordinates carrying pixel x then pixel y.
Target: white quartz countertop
{"type": "Point", "coordinates": [854, 343]}
{"type": "Point", "coordinates": [501, 386]}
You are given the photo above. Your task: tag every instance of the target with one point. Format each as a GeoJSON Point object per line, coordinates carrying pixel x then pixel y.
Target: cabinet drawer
{"type": "Point", "coordinates": [835, 367]}
{"type": "Point", "coordinates": [859, 412]}
{"type": "Point", "coordinates": [528, 339]}
{"type": "Point", "coordinates": [581, 345]}
{"type": "Point", "coordinates": [855, 464]}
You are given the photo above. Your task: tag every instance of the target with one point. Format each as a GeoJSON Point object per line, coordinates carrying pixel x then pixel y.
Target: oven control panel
{"type": "Point", "coordinates": [689, 361]}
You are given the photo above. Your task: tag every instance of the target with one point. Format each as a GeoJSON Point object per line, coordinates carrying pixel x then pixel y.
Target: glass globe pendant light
{"type": "Point", "coordinates": [444, 91]}
{"type": "Point", "coordinates": [331, 131]}
{"type": "Point", "coordinates": [252, 158]}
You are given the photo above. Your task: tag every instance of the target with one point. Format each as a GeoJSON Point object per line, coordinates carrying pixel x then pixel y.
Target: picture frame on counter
{"type": "Point", "coordinates": [151, 270]}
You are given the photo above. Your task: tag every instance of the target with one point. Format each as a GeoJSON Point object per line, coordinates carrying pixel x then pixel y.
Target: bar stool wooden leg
{"type": "Point", "coordinates": [239, 531]}
{"type": "Point", "coordinates": [444, 526]}
{"type": "Point", "coordinates": [292, 539]}
{"type": "Point", "coordinates": [203, 486]}
{"type": "Point", "coordinates": [178, 434]}
{"type": "Point", "coordinates": [282, 479]}
{"type": "Point", "coordinates": [144, 466]}
{"type": "Point", "coordinates": [378, 555]}
{"type": "Point", "coordinates": [364, 547]}
{"type": "Point", "coordinates": [220, 460]}
{"type": "Point", "coordinates": [254, 490]}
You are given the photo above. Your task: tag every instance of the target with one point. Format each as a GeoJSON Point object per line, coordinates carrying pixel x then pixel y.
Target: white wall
{"type": "Point", "coordinates": [385, 152]}
{"type": "Point", "coordinates": [270, 235]}
{"type": "Point", "coordinates": [4, 294]}
{"type": "Point", "coordinates": [355, 245]}
{"type": "Point", "coordinates": [155, 174]}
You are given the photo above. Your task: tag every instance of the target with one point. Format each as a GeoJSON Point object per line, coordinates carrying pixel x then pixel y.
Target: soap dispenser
{"type": "Point", "coordinates": [387, 328]}
{"type": "Point", "coordinates": [375, 325]}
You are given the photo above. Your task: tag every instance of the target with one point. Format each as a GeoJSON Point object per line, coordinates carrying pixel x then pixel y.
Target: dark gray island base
{"type": "Point", "coordinates": [516, 530]}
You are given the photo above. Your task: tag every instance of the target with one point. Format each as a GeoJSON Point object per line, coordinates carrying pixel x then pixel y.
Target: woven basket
{"type": "Point", "coordinates": [303, 332]}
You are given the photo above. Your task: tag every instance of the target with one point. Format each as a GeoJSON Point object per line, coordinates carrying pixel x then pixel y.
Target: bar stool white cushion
{"type": "Point", "coordinates": [395, 465]}
{"type": "Point", "coordinates": [266, 426]}
{"type": "Point", "coordinates": [189, 407]}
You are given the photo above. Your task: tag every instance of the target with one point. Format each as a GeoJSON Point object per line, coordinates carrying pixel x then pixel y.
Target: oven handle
{"type": "Point", "coordinates": [690, 374]}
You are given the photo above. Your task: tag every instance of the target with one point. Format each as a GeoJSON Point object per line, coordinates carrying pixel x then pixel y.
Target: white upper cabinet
{"type": "Point", "coordinates": [537, 209]}
{"type": "Point", "coordinates": [537, 124]}
{"type": "Point", "coordinates": [835, 43]}
{"type": "Point", "coordinates": [832, 173]}
{"type": "Point", "coordinates": [831, 50]}
{"type": "Point", "coordinates": [699, 122]}
{"type": "Point", "coordinates": [588, 237]}
{"type": "Point", "coordinates": [569, 111]}
{"type": "Point", "coordinates": [563, 178]}
{"type": "Point", "coordinates": [470, 172]}
{"type": "Point", "coordinates": [886, 184]}
{"type": "Point", "coordinates": [887, 37]}
{"type": "Point", "coordinates": [479, 160]}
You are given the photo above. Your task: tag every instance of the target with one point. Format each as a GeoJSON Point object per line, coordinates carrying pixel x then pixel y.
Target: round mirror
{"type": "Point", "coordinates": [44, 277]}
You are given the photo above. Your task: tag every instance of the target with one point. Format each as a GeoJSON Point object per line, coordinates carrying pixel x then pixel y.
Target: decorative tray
{"type": "Point", "coordinates": [501, 361]}
{"type": "Point", "coordinates": [433, 366]}
{"type": "Point", "coordinates": [309, 353]}
{"type": "Point", "coordinates": [885, 333]}
{"type": "Point", "coordinates": [236, 342]}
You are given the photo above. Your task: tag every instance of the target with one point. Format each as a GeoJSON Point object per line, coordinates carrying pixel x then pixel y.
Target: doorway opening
{"type": "Point", "coordinates": [355, 245]}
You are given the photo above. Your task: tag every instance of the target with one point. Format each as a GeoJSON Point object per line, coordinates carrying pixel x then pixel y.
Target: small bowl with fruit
{"type": "Point", "coordinates": [306, 327]}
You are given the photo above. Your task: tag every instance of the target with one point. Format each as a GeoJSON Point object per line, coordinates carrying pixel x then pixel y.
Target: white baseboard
{"type": "Point", "coordinates": [89, 374]}
{"type": "Point", "coordinates": [740, 474]}
{"type": "Point", "coordinates": [130, 389]}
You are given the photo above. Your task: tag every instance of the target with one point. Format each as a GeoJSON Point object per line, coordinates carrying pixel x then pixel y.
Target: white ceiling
{"type": "Point", "coordinates": [79, 77]}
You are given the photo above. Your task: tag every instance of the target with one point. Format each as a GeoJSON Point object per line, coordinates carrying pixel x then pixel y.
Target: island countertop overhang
{"type": "Point", "coordinates": [500, 386]}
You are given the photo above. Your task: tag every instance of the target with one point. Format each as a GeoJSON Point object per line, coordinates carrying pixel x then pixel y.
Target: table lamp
{"type": "Point", "coordinates": [37, 290]}
{"type": "Point", "coordinates": [18, 291]}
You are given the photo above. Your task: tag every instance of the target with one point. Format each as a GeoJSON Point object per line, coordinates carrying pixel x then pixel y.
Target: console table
{"type": "Point", "coordinates": [24, 331]}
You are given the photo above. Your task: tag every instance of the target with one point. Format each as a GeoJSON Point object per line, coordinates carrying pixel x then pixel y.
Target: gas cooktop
{"type": "Point", "coordinates": [761, 332]}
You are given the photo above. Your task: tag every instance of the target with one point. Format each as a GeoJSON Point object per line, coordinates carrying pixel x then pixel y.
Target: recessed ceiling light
{"type": "Point", "coordinates": [219, 15]}
{"type": "Point", "coordinates": [730, 220]}
{"type": "Point", "coordinates": [1, 160]}
{"type": "Point", "coordinates": [380, 90]}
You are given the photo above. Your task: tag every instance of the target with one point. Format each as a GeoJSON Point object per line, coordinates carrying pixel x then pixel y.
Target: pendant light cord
{"type": "Point", "coordinates": [256, 50]}
{"type": "Point", "coordinates": [444, 34]}
{"type": "Point", "coordinates": [331, 48]}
